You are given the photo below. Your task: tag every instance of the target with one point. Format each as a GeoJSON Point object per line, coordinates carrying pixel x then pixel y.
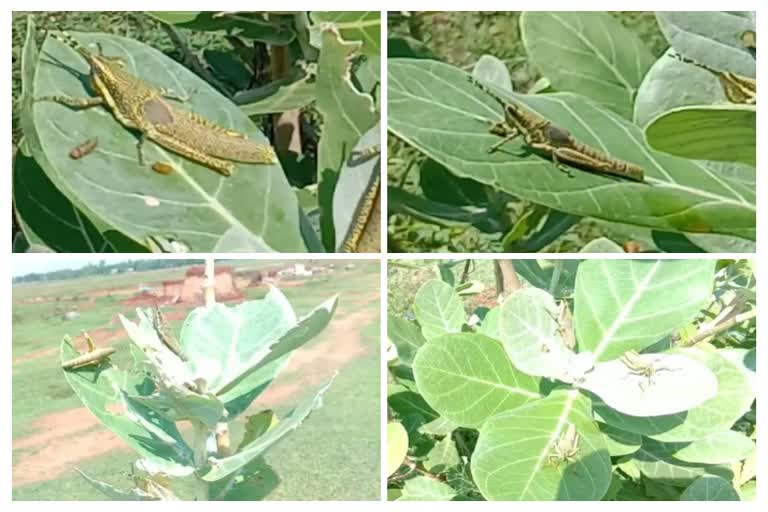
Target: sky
{"type": "Point", "coordinates": [22, 264]}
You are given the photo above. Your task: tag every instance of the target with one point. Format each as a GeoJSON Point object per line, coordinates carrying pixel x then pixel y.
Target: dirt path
{"type": "Point", "coordinates": [65, 439]}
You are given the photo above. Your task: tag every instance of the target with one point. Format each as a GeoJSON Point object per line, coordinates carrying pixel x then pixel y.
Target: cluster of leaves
{"type": "Point", "coordinates": [601, 83]}
{"type": "Point", "coordinates": [522, 402]}
{"type": "Point", "coordinates": [232, 355]}
{"type": "Point", "coordinates": [326, 64]}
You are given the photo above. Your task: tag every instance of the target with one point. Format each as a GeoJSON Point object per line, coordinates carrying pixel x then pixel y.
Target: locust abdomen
{"type": "Point", "coordinates": [93, 357]}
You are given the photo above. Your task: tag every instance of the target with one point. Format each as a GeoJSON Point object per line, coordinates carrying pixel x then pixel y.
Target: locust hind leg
{"type": "Point", "coordinates": [505, 131]}
{"type": "Point", "coordinates": [210, 125]}
{"type": "Point", "coordinates": [91, 101]}
{"type": "Point", "coordinates": [223, 167]}
{"type": "Point", "coordinates": [555, 160]}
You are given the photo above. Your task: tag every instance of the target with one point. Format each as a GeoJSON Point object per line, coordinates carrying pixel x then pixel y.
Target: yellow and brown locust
{"type": "Point", "coordinates": [364, 233]}
{"type": "Point", "coordinates": [141, 106]}
{"type": "Point", "coordinates": [163, 331]}
{"type": "Point", "coordinates": [94, 356]}
{"type": "Point", "coordinates": [557, 143]}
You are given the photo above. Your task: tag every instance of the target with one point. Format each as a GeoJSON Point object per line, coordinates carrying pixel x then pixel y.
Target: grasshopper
{"type": "Point", "coordinates": [140, 106]}
{"type": "Point", "coordinates": [737, 88]}
{"type": "Point", "coordinates": [364, 233]}
{"type": "Point", "coordinates": [94, 356]}
{"type": "Point", "coordinates": [639, 365]}
{"type": "Point", "coordinates": [564, 320]}
{"type": "Point", "coordinates": [83, 148]}
{"type": "Point", "coordinates": [164, 333]}
{"type": "Point", "coordinates": [557, 143]}
{"type": "Point", "coordinates": [566, 447]}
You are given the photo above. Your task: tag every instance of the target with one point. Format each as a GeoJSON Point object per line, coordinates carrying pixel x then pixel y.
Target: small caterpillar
{"type": "Point", "coordinates": [83, 148]}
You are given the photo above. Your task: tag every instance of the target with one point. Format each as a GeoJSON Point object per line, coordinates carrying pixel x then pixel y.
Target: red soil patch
{"type": "Point", "coordinates": [69, 438]}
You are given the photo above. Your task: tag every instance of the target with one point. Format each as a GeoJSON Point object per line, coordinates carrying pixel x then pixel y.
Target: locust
{"type": "Point", "coordinates": [94, 356]}
{"type": "Point", "coordinates": [142, 107]}
{"type": "Point", "coordinates": [566, 447]}
{"type": "Point", "coordinates": [564, 320]}
{"type": "Point", "coordinates": [737, 88]}
{"type": "Point", "coordinates": [164, 333]}
{"type": "Point", "coordinates": [83, 148]}
{"type": "Point", "coordinates": [364, 232]}
{"type": "Point", "coordinates": [555, 142]}
{"type": "Point", "coordinates": [642, 366]}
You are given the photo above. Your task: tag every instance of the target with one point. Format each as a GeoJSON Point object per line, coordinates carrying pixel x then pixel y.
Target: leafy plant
{"type": "Point", "coordinates": [231, 355]}
{"type": "Point", "coordinates": [646, 392]}
{"type": "Point", "coordinates": [601, 83]}
{"type": "Point", "coordinates": [315, 74]}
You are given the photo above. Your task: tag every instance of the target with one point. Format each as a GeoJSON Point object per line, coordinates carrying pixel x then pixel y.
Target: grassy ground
{"type": "Point", "coordinates": [461, 38]}
{"type": "Point", "coordinates": [333, 455]}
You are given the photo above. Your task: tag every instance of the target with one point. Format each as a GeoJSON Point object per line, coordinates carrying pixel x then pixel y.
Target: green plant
{"type": "Point", "coordinates": [315, 74]}
{"type": "Point", "coordinates": [655, 399]}
{"type": "Point", "coordinates": [232, 356]}
{"type": "Point", "coordinates": [601, 83]}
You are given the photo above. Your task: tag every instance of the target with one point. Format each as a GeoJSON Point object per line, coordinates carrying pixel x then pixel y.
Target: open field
{"type": "Point", "coordinates": [333, 455]}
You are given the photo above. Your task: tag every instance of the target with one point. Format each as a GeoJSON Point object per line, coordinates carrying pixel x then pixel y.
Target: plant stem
{"type": "Point", "coordinates": [200, 449]}
{"type": "Point", "coordinates": [717, 329]}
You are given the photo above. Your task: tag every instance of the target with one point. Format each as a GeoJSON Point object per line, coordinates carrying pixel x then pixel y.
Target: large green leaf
{"type": "Point", "coordinates": [512, 457]}
{"type": "Point", "coordinates": [708, 132]}
{"type": "Point", "coordinates": [421, 488]}
{"type": "Point", "coordinates": [47, 216]}
{"type": "Point", "coordinates": [364, 26]}
{"type": "Point", "coordinates": [622, 305]}
{"type": "Point", "coordinates": [710, 37]}
{"type": "Point", "coordinates": [219, 468]}
{"type": "Point", "coordinates": [725, 447]}
{"type": "Point", "coordinates": [100, 388]}
{"type": "Point", "coordinates": [589, 53]}
{"type": "Point", "coordinates": [397, 446]}
{"type": "Point", "coordinates": [467, 378]}
{"type": "Point", "coordinates": [226, 344]}
{"type": "Point", "coordinates": [347, 115]}
{"type": "Point", "coordinates": [277, 96]}
{"type": "Point", "coordinates": [434, 108]}
{"type": "Point", "coordinates": [255, 209]}
{"type": "Point", "coordinates": [406, 336]}
{"type": "Point", "coordinates": [438, 309]}
{"type": "Point", "coordinates": [736, 392]}
{"type": "Point", "coordinates": [656, 463]}
{"type": "Point", "coordinates": [710, 488]}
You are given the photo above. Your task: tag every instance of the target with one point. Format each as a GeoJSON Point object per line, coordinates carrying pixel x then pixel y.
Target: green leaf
{"type": "Point", "coordinates": [254, 209]}
{"type": "Point", "coordinates": [678, 194]}
{"type": "Point", "coordinates": [490, 70]}
{"type": "Point", "coordinates": [347, 115]}
{"type": "Point", "coordinates": [588, 53]}
{"type": "Point", "coordinates": [442, 457]}
{"type": "Point", "coordinates": [710, 37]}
{"type": "Point", "coordinates": [467, 378]}
{"type": "Point", "coordinates": [657, 464]}
{"type": "Point", "coordinates": [364, 26]}
{"type": "Point", "coordinates": [406, 336]}
{"type": "Point", "coordinates": [206, 409]}
{"type": "Point", "coordinates": [620, 442]}
{"type": "Point", "coordinates": [277, 96]}
{"type": "Point", "coordinates": [710, 488]}
{"type": "Point", "coordinates": [615, 298]}
{"type": "Point", "coordinates": [219, 468]}
{"type": "Point", "coordinates": [528, 329]}
{"type": "Point", "coordinates": [256, 425]}
{"type": "Point", "coordinates": [421, 488]}
{"type": "Point", "coordinates": [256, 26]}
{"type": "Point", "coordinates": [100, 389]}
{"type": "Point", "coordinates": [602, 245]}
{"type": "Point", "coordinates": [736, 392]}
{"type": "Point", "coordinates": [226, 344]}
{"type": "Point", "coordinates": [397, 446]}
{"type": "Point", "coordinates": [438, 309]}
{"type": "Point", "coordinates": [359, 177]}
{"type": "Point", "coordinates": [47, 216]}
{"type": "Point", "coordinates": [724, 447]}
{"type": "Point", "coordinates": [708, 132]}
{"type": "Point", "coordinates": [512, 457]}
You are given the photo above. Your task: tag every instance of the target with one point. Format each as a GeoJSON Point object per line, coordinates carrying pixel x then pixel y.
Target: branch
{"type": "Point", "coordinates": [717, 329]}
